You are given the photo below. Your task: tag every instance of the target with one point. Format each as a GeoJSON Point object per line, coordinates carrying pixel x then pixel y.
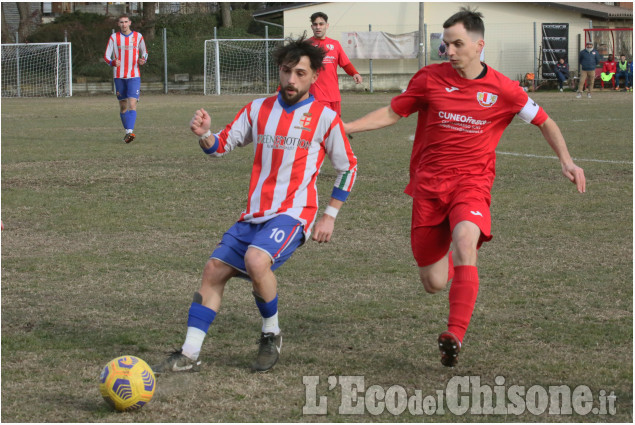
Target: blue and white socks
{"type": "Point", "coordinates": [199, 320]}
{"type": "Point", "coordinates": [269, 313]}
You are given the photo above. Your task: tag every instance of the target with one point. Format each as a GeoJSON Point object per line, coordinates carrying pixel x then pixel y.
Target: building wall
{"type": "Point", "coordinates": [512, 31]}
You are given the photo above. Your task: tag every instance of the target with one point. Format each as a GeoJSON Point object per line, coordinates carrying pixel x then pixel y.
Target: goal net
{"type": "Point", "coordinates": [240, 66]}
{"type": "Point", "coordinates": [36, 70]}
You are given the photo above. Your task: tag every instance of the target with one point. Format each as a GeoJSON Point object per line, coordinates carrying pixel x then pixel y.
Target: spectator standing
{"type": "Point", "coordinates": [589, 59]}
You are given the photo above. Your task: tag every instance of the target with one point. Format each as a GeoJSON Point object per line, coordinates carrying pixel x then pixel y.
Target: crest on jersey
{"type": "Point", "coordinates": [305, 121]}
{"type": "Point", "coordinates": [330, 46]}
{"type": "Point", "coordinates": [486, 99]}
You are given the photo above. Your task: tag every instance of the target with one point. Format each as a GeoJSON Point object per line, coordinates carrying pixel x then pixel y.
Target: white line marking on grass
{"type": "Point", "coordinates": [529, 155]}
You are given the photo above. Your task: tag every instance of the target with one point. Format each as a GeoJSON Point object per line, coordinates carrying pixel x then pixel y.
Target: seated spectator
{"type": "Point", "coordinates": [562, 72]}
{"type": "Point", "coordinates": [622, 72]}
{"type": "Point", "coordinates": [608, 71]}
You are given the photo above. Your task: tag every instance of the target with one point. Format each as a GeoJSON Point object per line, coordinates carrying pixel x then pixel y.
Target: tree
{"type": "Point", "coordinates": [149, 19]}
{"type": "Point", "coordinates": [6, 37]}
{"type": "Point", "coordinates": [24, 8]}
{"type": "Point", "coordinates": [226, 16]}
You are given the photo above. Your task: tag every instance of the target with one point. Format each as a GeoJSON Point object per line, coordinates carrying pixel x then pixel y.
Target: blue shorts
{"type": "Point", "coordinates": [278, 237]}
{"type": "Point", "coordinates": [128, 87]}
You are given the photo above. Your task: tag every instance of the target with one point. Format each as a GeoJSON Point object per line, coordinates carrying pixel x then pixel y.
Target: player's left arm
{"type": "Point", "coordinates": [340, 153]}
{"type": "Point", "coordinates": [326, 224]}
{"type": "Point", "coordinates": [552, 134]}
{"type": "Point", "coordinates": [531, 113]}
{"type": "Point", "coordinates": [345, 63]}
{"type": "Point", "coordinates": [143, 52]}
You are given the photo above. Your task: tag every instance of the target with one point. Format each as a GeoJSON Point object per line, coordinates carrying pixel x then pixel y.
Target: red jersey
{"type": "Point", "coordinates": [128, 49]}
{"type": "Point", "coordinates": [609, 67]}
{"type": "Point", "coordinates": [327, 86]}
{"type": "Point", "coordinates": [290, 144]}
{"type": "Point", "coordinates": [459, 125]}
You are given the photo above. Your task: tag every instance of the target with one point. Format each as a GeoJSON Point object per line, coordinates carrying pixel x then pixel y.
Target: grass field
{"type": "Point", "coordinates": [104, 244]}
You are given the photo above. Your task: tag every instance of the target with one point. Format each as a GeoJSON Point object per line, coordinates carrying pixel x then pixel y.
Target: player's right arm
{"type": "Point", "coordinates": [110, 50]}
{"type": "Point", "coordinates": [380, 118]}
{"type": "Point", "coordinates": [237, 133]}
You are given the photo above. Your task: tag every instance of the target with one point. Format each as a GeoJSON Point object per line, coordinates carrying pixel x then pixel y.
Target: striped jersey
{"type": "Point", "coordinates": [128, 49]}
{"type": "Point", "coordinates": [290, 143]}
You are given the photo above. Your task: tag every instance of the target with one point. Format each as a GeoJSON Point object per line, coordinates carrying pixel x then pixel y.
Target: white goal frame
{"type": "Point", "coordinates": [240, 66]}
{"type": "Point", "coordinates": [37, 70]}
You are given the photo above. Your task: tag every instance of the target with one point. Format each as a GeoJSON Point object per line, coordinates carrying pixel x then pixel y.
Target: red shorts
{"type": "Point", "coordinates": [433, 221]}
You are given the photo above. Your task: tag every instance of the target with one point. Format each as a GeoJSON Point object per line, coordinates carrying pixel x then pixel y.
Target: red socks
{"type": "Point", "coordinates": [450, 267]}
{"type": "Point", "coordinates": [463, 292]}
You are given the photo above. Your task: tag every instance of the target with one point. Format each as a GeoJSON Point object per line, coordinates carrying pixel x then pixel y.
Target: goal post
{"type": "Point", "coordinates": [240, 66]}
{"type": "Point", "coordinates": [37, 70]}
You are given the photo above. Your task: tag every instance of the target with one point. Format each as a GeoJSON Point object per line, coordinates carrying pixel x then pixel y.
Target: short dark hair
{"type": "Point", "coordinates": [319, 15]}
{"type": "Point", "coordinates": [125, 15]}
{"type": "Point", "coordinates": [471, 20]}
{"type": "Point", "coordinates": [294, 49]}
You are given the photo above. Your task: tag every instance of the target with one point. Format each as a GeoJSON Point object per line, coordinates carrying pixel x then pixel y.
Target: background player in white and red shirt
{"type": "Point", "coordinates": [291, 135]}
{"type": "Point", "coordinates": [126, 50]}
{"type": "Point", "coordinates": [327, 89]}
{"type": "Point", "coordinates": [463, 108]}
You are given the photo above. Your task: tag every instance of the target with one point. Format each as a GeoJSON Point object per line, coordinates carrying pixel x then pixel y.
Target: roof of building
{"type": "Point", "coordinates": [596, 10]}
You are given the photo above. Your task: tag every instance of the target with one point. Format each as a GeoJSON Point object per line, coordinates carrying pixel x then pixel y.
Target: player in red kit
{"type": "Point", "coordinates": [326, 89]}
{"type": "Point", "coordinates": [463, 108]}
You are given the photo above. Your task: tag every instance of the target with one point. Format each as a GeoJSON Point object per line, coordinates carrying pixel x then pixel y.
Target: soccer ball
{"type": "Point", "coordinates": [127, 383]}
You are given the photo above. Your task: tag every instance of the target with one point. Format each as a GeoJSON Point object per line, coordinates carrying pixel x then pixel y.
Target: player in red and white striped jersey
{"type": "Point", "coordinates": [463, 107]}
{"type": "Point", "coordinates": [291, 135]}
{"type": "Point", "coordinates": [125, 51]}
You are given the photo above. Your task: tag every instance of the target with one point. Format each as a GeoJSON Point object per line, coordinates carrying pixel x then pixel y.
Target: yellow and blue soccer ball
{"type": "Point", "coordinates": [127, 383]}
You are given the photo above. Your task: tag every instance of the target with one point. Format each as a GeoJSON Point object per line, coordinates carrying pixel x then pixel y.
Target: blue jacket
{"type": "Point", "coordinates": [564, 68]}
{"type": "Point", "coordinates": [589, 60]}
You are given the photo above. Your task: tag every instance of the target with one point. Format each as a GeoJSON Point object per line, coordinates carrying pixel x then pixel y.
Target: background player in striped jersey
{"type": "Point", "coordinates": [291, 135]}
{"type": "Point", "coordinates": [463, 108]}
{"type": "Point", "coordinates": [126, 50]}
{"type": "Point", "coordinates": [327, 89]}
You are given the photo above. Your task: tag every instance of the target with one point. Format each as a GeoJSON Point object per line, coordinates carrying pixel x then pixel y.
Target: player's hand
{"type": "Point", "coordinates": [323, 229]}
{"type": "Point", "coordinates": [358, 79]}
{"type": "Point", "coordinates": [576, 175]}
{"type": "Point", "coordinates": [116, 63]}
{"type": "Point", "coordinates": [141, 61]}
{"type": "Point", "coordinates": [201, 122]}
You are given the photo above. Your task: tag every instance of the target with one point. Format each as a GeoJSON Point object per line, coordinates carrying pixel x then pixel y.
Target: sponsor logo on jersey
{"type": "Point", "coordinates": [283, 142]}
{"type": "Point", "coordinates": [451, 89]}
{"type": "Point", "coordinates": [486, 99]}
{"type": "Point", "coordinates": [452, 117]}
